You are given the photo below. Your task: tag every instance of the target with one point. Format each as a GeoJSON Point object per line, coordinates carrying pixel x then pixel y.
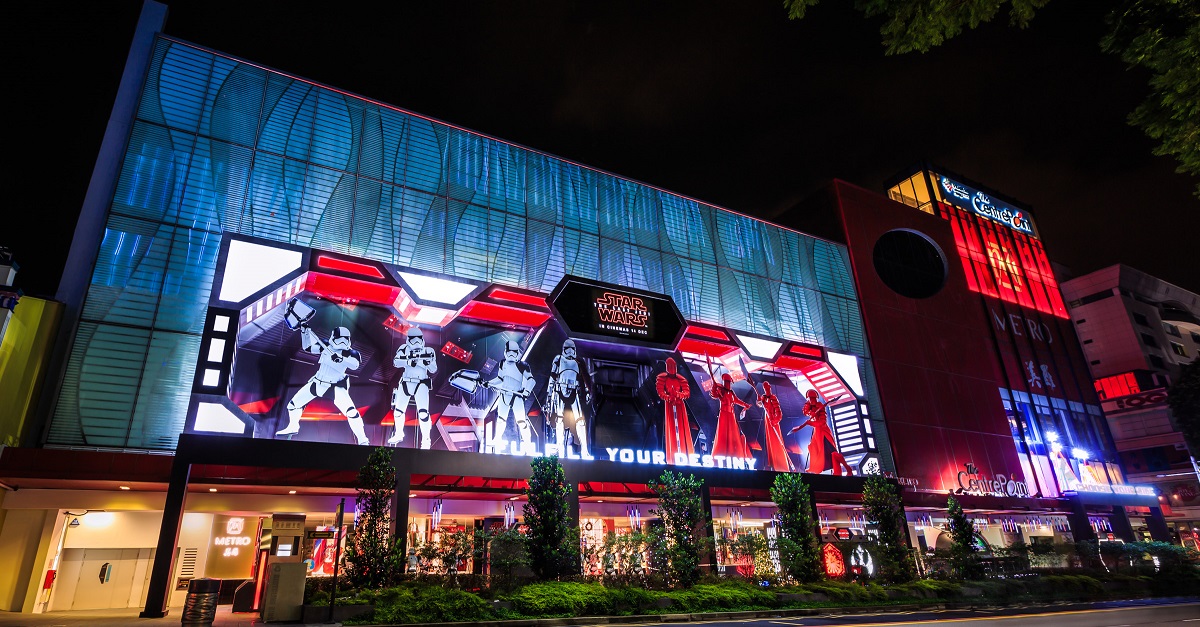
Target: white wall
{"type": "Point", "coordinates": [115, 530]}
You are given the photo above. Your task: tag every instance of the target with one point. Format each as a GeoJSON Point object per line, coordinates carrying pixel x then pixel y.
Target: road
{"type": "Point", "coordinates": [1112, 614]}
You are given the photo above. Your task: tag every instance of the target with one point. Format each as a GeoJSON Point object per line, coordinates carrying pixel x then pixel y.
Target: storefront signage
{"type": "Point", "coordinates": [593, 310]}
{"type": "Point", "coordinates": [696, 460]}
{"type": "Point", "coordinates": [1022, 326]}
{"type": "Point", "coordinates": [1134, 402]}
{"type": "Point", "coordinates": [232, 548]}
{"type": "Point", "coordinates": [1126, 489]}
{"type": "Point", "coordinates": [972, 481]}
{"type": "Point", "coordinates": [968, 198]}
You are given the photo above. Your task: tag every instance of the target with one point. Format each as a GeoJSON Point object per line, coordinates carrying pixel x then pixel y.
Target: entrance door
{"type": "Point", "coordinates": [105, 579]}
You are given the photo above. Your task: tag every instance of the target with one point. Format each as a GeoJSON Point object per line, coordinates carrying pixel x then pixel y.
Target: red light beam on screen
{"type": "Point", "coordinates": [491, 312]}
{"type": "Point", "coordinates": [515, 297]}
{"type": "Point", "coordinates": [348, 266]}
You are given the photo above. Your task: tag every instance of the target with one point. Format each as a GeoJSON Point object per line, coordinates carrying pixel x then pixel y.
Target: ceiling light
{"type": "Point", "coordinates": [599, 500]}
{"type": "Point", "coordinates": [212, 489]}
{"type": "Point", "coordinates": [123, 487]}
{"type": "Point", "coordinates": [291, 491]}
{"type": "Point", "coordinates": [411, 494]}
{"type": "Point", "coordinates": [513, 498]}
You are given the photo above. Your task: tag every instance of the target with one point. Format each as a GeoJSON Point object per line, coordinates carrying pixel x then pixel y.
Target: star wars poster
{"type": "Point", "coordinates": [316, 366]}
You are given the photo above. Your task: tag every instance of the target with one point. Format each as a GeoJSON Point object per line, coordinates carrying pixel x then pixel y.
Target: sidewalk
{"type": "Point", "coordinates": [120, 618]}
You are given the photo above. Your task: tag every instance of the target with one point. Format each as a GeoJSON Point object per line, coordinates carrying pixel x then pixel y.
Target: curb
{"type": "Point", "coordinates": [780, 613]}
{"type": "Point", "coordinates": [681, 618]}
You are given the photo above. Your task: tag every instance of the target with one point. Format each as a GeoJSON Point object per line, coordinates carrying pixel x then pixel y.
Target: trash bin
{"type": "Point", "coordinates": [200, 606]}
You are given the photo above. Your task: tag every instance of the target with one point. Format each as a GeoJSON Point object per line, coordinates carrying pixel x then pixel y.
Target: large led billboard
{"type": "Point", "coordinates": [318, 346]}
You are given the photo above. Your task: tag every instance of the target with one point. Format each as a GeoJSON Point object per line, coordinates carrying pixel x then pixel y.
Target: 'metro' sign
{"type": "Point", "coordinates": [981, 204]}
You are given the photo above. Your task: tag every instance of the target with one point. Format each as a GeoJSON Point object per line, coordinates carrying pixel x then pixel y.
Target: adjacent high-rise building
{"type": "Point", "coordinates": [1136, 331]}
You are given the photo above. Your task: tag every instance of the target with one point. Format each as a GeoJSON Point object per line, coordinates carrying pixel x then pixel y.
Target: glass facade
{"type": "Point", "coordinates": [221, 146]}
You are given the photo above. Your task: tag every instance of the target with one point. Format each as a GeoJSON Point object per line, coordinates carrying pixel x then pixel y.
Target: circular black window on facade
{"type": "Point", "coordinates": [910, 263]}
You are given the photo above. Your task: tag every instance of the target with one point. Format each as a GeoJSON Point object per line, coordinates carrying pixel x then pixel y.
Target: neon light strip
{"type": "Point", "coordinates": [348, 266]}
{"type": "Point", "coordinates": [707, 332]}
{"type": "Point", "coordinates": [514, 297]}
{"type": "Point", "coordinates": [491, 312]}
{"type": "Point", "coordinates": [805, 350]}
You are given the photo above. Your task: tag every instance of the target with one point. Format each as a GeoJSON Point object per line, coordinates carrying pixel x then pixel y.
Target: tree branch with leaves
{"type": "Point", "coordinates": [1162, 36]}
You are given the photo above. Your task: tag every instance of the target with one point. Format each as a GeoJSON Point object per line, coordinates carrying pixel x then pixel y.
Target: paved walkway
{"type": "Point", "coordinates": [120, 618]}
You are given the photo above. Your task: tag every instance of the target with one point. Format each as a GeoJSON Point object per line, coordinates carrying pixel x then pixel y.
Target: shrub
{"type": "Point", "coordinates": [728, 595]}
{"type": "Point", "coordinates": [882, 507]}
{"type": "Point", "coordinates": [799, 554]}
{"type": "Point", "coordinates": [684, 518]}
{"type": "Point", "coordinates": [373, 556]}
{"type": "Point", "coordinates": [562, 598]}
{"type": "Point", "coordinates": [553, 545]}
{"type": "Point", "coordinates": [422, 603]}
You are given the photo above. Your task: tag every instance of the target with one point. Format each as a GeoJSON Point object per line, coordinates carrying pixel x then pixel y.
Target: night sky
{"type": "Point", "coordinates": [726, 102]}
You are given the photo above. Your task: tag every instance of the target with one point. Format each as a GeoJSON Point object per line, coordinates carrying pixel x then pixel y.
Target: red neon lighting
{"type": "Point", "coordinates": [707, 332]}
{"type": "Point", "coordinates": [806, 350]}
{"type": "Point", "coordinates": [1005, 264]}
{"type": "Point", "coordinates": [793, 363]}
{"type": "Point", "coordinates": [1117, 386]}
{"type": "Point", "coordinates": [515, 297]}
{"type": "Point", "coordinates": [505, 315]}
{"type": "Point", "coordinates": [350, 290]}
{"type": "Point", "coordinates": [701, 347]}
{"type": "Point", "coordinates": [348, 266]}
{"type": "Point", "coordinates": [831, 559]}
{"type": "Point", "coordinates": [259, 407]}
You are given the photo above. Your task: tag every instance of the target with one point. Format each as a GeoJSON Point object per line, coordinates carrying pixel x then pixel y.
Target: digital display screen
{"type": "Point", "coordinates": [593, 309]}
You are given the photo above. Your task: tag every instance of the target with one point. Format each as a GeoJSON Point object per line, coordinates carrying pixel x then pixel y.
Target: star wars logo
{"type": "Point", "coordinates": [623, 313]}
{"type": "Point", "coordinates": [971, 481]}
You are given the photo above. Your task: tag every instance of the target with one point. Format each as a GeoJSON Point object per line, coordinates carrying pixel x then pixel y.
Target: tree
{"type": "Point", "coordinates": [505, 553]}
{"type": "Point", "coordinates": [963, 560]}
{"type": "Point", "coordinates": [1184, 400]}
{"type": "Point", "coordinates": [1162, 36]}
{"type": "Point", "coordinates": [553, 544]}
{"type": "Point", "coordinates": [372, 554]}
{"type": "Point", "coordinates": [799, 553]}
{"type": "Point", "coordinates": [882, 507]}
{"type": "Point", "coordinates": [681, 509]}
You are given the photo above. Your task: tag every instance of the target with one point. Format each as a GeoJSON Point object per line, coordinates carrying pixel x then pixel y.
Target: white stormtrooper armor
{"type": "Point", "coordinates": [514, 381]}
{"type": "Point", "coordinates": [564, 410]}
{"type": "Point", "coordinates": [418, 363]}
{"type": "Point", "coordinates": [336, 359]}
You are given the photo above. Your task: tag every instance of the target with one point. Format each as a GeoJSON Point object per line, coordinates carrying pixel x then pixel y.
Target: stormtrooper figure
{"type": "Point", "coordinates": [336, 359]}
{"type": "Point", "coordinates": [514, 381]}
{"type": "Point", "coordinates": [564, 411]}
{"type": "Point", "coordinates": [418, 363]}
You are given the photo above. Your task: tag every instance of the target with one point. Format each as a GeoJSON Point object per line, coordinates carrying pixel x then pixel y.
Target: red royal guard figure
{"type": "Point", "coordinates": [729, 440]}
{"type": "Point", "coordinates": [777, 455]}
{"type": "Point", "coordinates": [822, 450]}
{"type": "Point", "coordinates": [673, 389]}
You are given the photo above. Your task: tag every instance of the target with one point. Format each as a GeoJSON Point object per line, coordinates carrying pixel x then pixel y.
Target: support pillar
{"type": "Point", "coordinates": [399, 525]}
{"type": "Point", "coordinates": [1081, 528]}
{"type": "Point", "coordinates": [709, 561]}
{"type": "Point", "coordinates": [1120, 524]}
{"type": "Point", "coordinates": [1159, 531]}
{"type": "Point", "coordinates": [158, 591]}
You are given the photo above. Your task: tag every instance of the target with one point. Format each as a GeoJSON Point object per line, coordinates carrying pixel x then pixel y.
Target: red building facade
{"type": "Point", "coordinates": [982, 381]}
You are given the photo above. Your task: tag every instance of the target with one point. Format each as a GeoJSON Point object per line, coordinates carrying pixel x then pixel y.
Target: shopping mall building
{"type": "Point", "coordinates": [271, 276]}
